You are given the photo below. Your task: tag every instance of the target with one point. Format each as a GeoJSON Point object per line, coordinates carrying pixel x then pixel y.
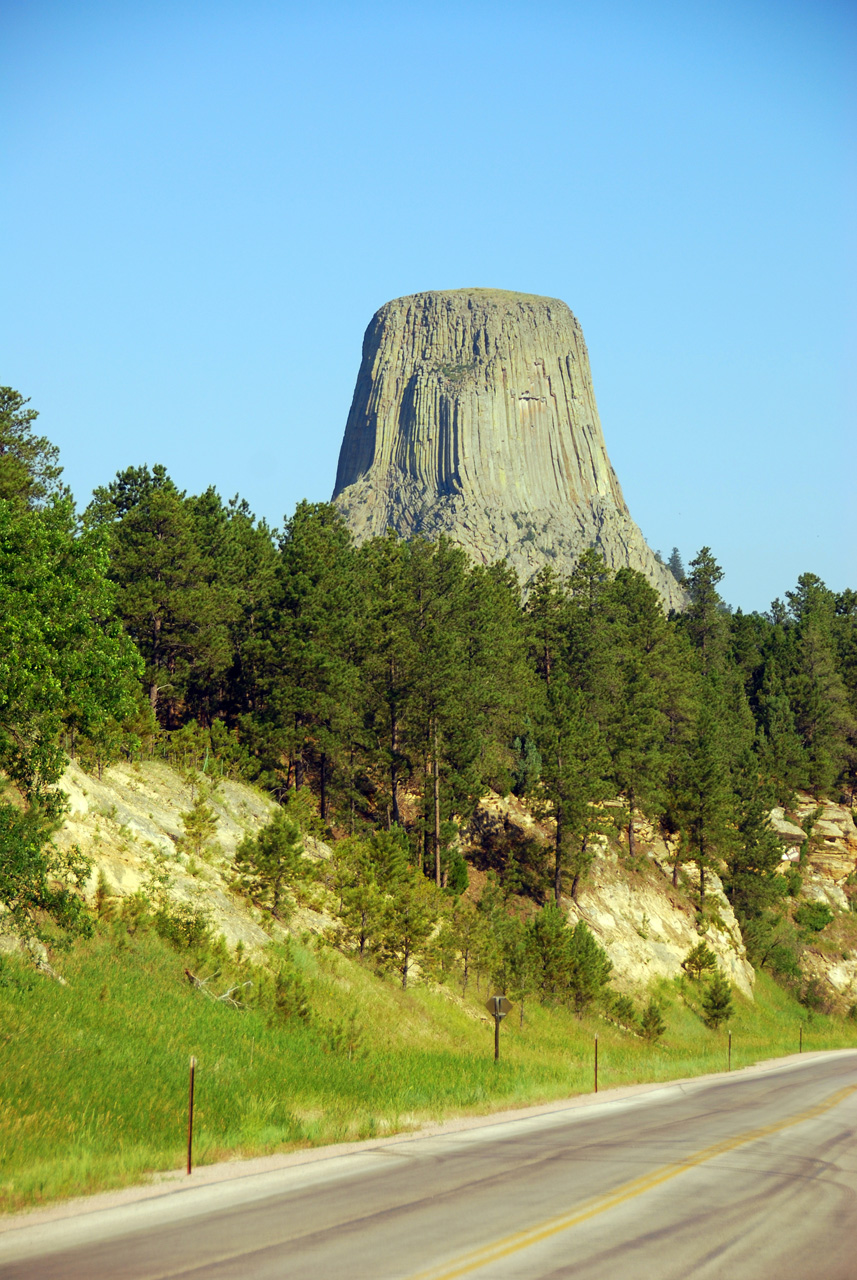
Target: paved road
{"type": "Point", "coordinates": [751, 1176]}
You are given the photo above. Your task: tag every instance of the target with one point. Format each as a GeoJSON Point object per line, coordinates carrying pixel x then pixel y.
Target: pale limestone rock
{"type": "Point", "coordinates": [645, 925]}
{"type": "Point", "coordinates": [842, 976]}
{"type": "Point", "coordinates": [474, 416]}
{"type": "Point", "coordinates": [789, 832]}
{"type": "Point", "coordinates": [647, 930]}
{"type": "Point", "coordinates": [817, 889]}
{"type": "Point", "coordinates": [135, 811]}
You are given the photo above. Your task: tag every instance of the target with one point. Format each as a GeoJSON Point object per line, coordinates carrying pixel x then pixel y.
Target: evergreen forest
{"type": "Point", "coordinates": [392, 685]}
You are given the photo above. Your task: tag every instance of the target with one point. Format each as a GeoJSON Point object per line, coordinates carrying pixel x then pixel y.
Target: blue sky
{"type": "Point", "coordinates": [206, 202]}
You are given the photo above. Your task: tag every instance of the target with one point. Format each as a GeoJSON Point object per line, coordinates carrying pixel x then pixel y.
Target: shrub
{"type": "Point", "coordinates": [814, 997]}
{"type": "Point", "coordinates": [182, 924]}
{"type": "Point", "coordinates": [625, 1011]}
{"type": "Point", "coordinates": [291, 995]}
{"type": "Point", "coordinates": [813, 916]}
{"type": "Point", "coordinates": [794, 882]}
{"type": "Point", "coordinates": [652, 1024]}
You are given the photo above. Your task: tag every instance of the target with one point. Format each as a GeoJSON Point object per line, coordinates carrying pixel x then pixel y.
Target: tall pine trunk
{"type": "Point", "coordinates": [322, 799]}
{"type": "Point", "coordinates": [436, 809]}
{"type": "Point", "coordinates": [557, 871]}
{"type": "Point", "coordinates": [394, 752]}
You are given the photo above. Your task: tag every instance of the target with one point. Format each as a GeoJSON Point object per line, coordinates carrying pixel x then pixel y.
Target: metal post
{"type": "Point", "coordinates": [596, 1064]}
{"type": "Point", "coordinates": [729, 1060]}
{"type": "Point", "coordinates": [800, 1041]}
{"type": "Point", "coordinates": [496, 1037]}
{"type": "Point", "coordinates": [190, 1115]}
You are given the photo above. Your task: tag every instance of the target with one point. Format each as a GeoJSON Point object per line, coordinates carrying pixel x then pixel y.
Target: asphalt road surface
{"type": "Point", "coordinates": [751, 1176]}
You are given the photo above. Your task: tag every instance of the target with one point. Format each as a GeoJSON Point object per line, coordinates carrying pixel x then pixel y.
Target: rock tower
{"type": "Point", "coordinates": [474, 416]}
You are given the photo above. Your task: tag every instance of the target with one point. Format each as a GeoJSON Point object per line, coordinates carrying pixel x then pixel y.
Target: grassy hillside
{"type": "Point", "coordinates": [94, 1074]}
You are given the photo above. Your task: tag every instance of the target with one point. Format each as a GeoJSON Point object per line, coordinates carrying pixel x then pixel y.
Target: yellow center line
{"type": "Point", "coordinates": [519, 1240]}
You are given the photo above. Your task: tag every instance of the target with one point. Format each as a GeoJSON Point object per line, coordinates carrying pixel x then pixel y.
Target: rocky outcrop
{"type": "Point", "coordinates": [474, 416]}
{"type": "Point", "coordinates": [124, 821]}
{"type": "Point", "coordinates": [824, 837]}
{"type": "Point", "coordinates": [646, 926]}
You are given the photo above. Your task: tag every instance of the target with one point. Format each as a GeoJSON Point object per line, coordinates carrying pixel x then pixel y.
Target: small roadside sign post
{"type": "Point", "coordinates": [498, 1007]}
{"type": "Point", "coordinates": [190, 1115]}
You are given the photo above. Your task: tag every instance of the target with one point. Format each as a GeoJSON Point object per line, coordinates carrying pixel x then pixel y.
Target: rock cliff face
{"type": "Point", "coordinates": [645, 925]}
{"type": "Point", "coordinates": [474, 416]}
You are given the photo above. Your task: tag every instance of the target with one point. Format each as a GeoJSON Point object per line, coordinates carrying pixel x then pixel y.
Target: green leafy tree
{"type": "Point", "coordinates": [63, 657]}
{"type": "Point", "coordinates": [37, 879]}
{"type": "Point", "coordinates": [29, 464]}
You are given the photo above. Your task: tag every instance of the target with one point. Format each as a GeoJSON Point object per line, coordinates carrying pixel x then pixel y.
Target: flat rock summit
{"type": "Point", "coordinates": [474, 416]}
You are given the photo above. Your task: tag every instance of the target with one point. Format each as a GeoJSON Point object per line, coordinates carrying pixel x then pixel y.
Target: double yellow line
{"type": "Point", "coordinates": [520, 1240]}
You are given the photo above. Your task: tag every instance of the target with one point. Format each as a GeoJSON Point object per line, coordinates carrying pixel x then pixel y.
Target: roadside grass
{"type": "Point", "coordinates": [93, 1075]}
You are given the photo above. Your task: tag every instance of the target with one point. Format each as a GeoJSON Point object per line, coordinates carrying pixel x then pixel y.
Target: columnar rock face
{"type": "Point", "coordinates": [474, 416]}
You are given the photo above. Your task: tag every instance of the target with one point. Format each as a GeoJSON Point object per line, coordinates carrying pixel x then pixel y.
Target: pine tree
{"type": "Point", "coordinates": [816, 690]}
{"type": "Point", "coordinates": [588, 969]}
{"type": "Point", "coordinates": [676, 566]}
{"type": "Point", "coordinates": [699, 961]}
{"type": "Point", "coordinates": [409, 917]}
{"type": "Point", "coordinates": [361, 900]}
{"type": "Point", "coordinates": [652, 1025]}
{"type": "Point", "coordinates": [717, 1003]}
{"type": "Point", "coordinates": [706, 804]}
{"type": "Point", "coordinates": [389, 661]}
{"type": "Point", "coordinates": [549, 943]}
{"type": "Point", "coordinates": [200, 824]}
{"type": "Point", "coordinates": [308, 676]}
{"type": "Point", "coordinates": [167, 595]}
{"type": "Point", "coordinates": [571, 746]}
{"type": "Point", "coordinates": [268, 863]}
{"type": "Point", "coordinates": [705, 620]}
{"type": "Point", "coordinates": [634, 692]}
{"type": "Point", "coordinates": [781, 754]}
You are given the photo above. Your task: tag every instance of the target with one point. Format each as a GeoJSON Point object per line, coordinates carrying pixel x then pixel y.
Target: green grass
{"type": "Point", "coordinates": [93, 1076]}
